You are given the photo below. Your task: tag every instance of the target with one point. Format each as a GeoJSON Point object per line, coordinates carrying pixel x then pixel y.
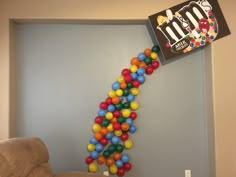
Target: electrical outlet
{"type": "Point", "coordinates": [106, 173]}
{"type": "Point", "coordinates": [187, 173]}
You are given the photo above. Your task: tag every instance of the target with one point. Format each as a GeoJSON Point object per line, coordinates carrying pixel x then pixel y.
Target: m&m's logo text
{"type": "Point", "coordinates": [192, 26]}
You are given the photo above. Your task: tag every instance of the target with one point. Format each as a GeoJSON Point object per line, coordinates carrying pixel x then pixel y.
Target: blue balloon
{"type": "Point", "coordinates": [119, 163]}
{"type": "Point", "coordinates": [125, 158]}
{"type": "Point", "coordinates": [99, 147]}
{"type": "Point", "coordinates": [115, 85]}
{"type": "Point", "coordinates": [141, 79]}
{"type": "Point", "coordinates": [130, 97]}
{"type": "Point", "coordinates": [121, 98]}
{"type": "Point", "coordinates": [132, 129]}
{"type": "Point", "coordinates": [93, 140]}
{"type": "Point", "coordinates": [101, 112]}
{"type": "Point", "coordinates": [141, 56]}
{"type": "Point", "coordinates": [134, 76]}
{"type": "Point", "coordinates": [141, 71]}
{"type": "Point", "coordinates": [111, 108]}
{"type": "Point", "coordinates": [115, 140]}
{"type": "Point", "coordinates": [129, 121]}
{"type": "Point", "coordinates": [109, 135]}
{"type": "Point", "coordinates": [94, 154]}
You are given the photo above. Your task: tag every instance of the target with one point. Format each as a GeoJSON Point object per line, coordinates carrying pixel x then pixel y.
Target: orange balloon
{"type": "Point", "coordinates": [98, 135]}
{"type": "Point", "coordinates": [101, 159]}
{"type": "Point", "coordinates": [147, 52]}
{"type": "Point", "coordinates": [123, 85]}
{"type": "Point", "coordinates": [114, 120]}
{"type": "Point", "coordinates": [115, 100]}
{"type": "Point", "coordinates": [110, 161]}
{"type": "Point", "coordinates": [135, 61]}
{"type": "Point", "coordinates": [104, 130]}
{"type": "Point", "coordinates": [117, 155]}
{"type": "Point", "coordinates": [125, 126]}
{"type": "Point", "coordinates": [142, 64]}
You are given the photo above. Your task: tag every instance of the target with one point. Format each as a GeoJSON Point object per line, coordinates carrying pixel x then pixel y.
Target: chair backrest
{"type": "Point", "coordinates": [24, 157]}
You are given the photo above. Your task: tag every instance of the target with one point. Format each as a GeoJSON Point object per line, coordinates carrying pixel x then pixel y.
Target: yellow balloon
{"type": "Point", "coordinates": [134, 91]}
{"type": "Point", "coordinates": [133, 68]}
{"type": "Point", "coordinates": [125, 112]}
{"type": "Point", "coordinates": [93, 167]}
{"type": "Point", "coordinates": [110, 128]}
{"type": "Point", "coordinates": [96, 127]}
{"type": "Point", "coordinates": [113, 169]}
{"type": "Point", "coordinates": [111, 93]}
{"type": "Point", "coordinates": [91, 147]}
{"type": "Point", "coordinates": [109, 115]}
{"type": "Point", "coordinates": [128, 144]}
{"type": "Point", "coordinates": [154, 56]}
{"type": "Point", "coordinates": [120, 79]}
{"type": "Point", "coordinates": [134, 105]}
{"type": "Point", "coordinates": [118, 132]}
{"type": "Point", "coordinates": [119, 92]}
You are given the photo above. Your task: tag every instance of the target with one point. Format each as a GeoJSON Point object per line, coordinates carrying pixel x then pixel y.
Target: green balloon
{"type": "Point", "coordinates": [112, 148]}
{"type": "Point", "coordinates": [126, 92]}
{"type": "Point", "coordinates": [106, 154]}
{"type": "Point", "coordinates": [148, 60]}
{"type": "Point", "coordinates": [105, 122]}
{"type": "Point", "coordinates": [119, 148]}
{"type": "Point", "coordinates": [156, 48]}
{"type": "Point", "coordinates": [126, 105]}
{"type": "Point", "coordinates": [118, 106]}
{"type": "Point", "coordinates": [121, 119]}
{"type": "Point", "coordinates": [129, 85]}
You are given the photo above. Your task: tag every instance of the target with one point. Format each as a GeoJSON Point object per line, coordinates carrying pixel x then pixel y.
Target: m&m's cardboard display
{"type": "Point", "coordinates": [188, 26]}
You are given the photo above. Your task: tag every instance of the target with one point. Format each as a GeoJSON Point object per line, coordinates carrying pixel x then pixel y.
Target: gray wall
{"type": "Point", "coordinates": [65, 71]}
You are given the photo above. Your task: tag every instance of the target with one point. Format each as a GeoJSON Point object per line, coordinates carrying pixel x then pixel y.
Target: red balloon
{"type": "Point", "coordinates": [116, 113]}
{"type": "Point", "coordinates": [155, 64]}
{"type": "Point", "coordinates": [125, 72]}
{"type": "Point", "coordinates": [121, 172]}
{"type": "Point", "coordinates": [136, 83]}
{"type": "Point", "coordinates": [104, 141]}
{"type": "Point", "coordinates": [149, 70]}
{"type": "Point", "coordinates": [116, 126]}
{"type": "Point", "coordinates": [133, 115]}
{"type": "Point", "coordinates": [128, 78]}
{"type": "Point", "coordinates": [98, 120]}
{"type": "Point", "coordinates": [127, 166]}
{"type": "Point", "coordinates": [89, 160]}
{"type": "Point", "coordinates": [109, 100]}
{"type": "Point", "coordinates": [103, 105]}
{"type": "Point", "coordinates": [124, 136]}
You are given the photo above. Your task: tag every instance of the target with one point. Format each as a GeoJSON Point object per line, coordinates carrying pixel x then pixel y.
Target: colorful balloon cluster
{"type": "Point", "coordinates": [116, 115]}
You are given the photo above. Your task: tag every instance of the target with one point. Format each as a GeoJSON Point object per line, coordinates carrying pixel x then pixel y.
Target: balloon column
{"type": "Point", "coordinates": [116, 115]}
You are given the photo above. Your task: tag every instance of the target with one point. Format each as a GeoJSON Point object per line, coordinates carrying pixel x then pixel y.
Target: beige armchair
{"type": "Point", "coordinates": [28, 157]}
